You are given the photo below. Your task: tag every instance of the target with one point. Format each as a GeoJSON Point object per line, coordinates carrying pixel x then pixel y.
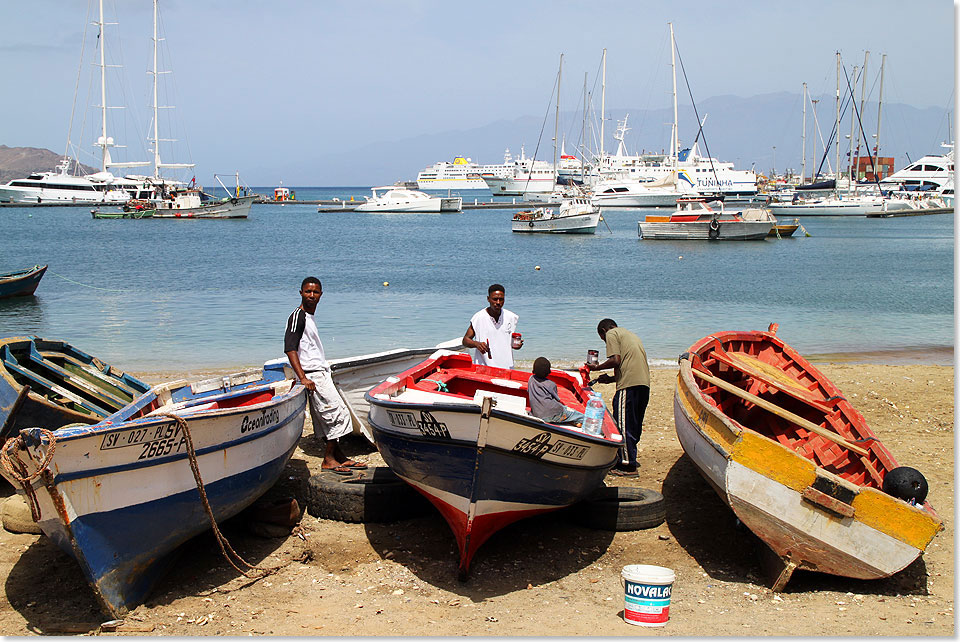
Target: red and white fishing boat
{"type": "Point", "coordinates": [463, 436]}
{"type": "Point", "coordinates": [796, 462]}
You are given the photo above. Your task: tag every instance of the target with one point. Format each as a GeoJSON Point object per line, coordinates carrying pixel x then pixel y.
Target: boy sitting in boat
{"type": "Point", "coordinates": [544, 401]}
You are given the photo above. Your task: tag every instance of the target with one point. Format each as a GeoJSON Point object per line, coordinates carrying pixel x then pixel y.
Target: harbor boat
{"type": "Point", "coordinates": [391, 199]}
{"type": "Point", "coordinates": [21, 282]}
{"type": "Point", "coordinates": [120, 495]}
{"type": "Point", "coordinates": [134, 208]}
{"type": "Point", "coordinates": [194, 203]}
{"type": "Point", "coordinates": [796, 462]}
{"type": "Point", "coordinates": [706, 219]}
{"type": "Point", "coordinates": [528, 176]}
{"type": "Point", "coordinates": [61, 187]}
{"type": "Point", "coordinates": [620, 192]}
{"type": "Point", "coordinates": [50, 383]}
{"type": "Point", "coordinates": [576, 215]}
{"type": "Point", "coordinates": [461, 174]}
{"type": "Point", "coordinates": [835, 205]}
{"type": "Point", "coordinates": [905, 204]}
{"type": "Point", "coordinates": [930, 172]}
{"type": "Point", "coordinates": [354, 376]}
{"type": "Point", "coordinates": [784, 230]}
{"type": "Point", "coordinates": [462, 435]}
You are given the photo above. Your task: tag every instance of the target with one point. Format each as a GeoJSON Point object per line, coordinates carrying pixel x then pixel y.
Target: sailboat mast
{"type": "Point", "coordinates": [863, 89]}
{"type": "Point", "coordinates": [803, 139]}
{"type": "Point", "coordinates": [156, 108]}
{"type": "Point", "coordinates": [876, 145]}
{"type": "Point", "coordinates": [556, 123]}
{"type": "Point", "coordinates": [104, 151]}
{"type": "Point", "coordinates": [583, 129]}
{"type": "Point", "coordinates": [853, 121]}
{"type": "Point", "coordinates": [603, 100]}
{"type": "Point", "coordinates": [836, 174]}
{"type": "Point", "coordinates": [674, 142]}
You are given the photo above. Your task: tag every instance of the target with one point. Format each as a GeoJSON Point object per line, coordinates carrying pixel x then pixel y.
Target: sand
{"type": "Point", "coordinates": [541, 576]}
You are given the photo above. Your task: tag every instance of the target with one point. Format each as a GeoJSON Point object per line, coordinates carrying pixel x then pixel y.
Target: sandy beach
{"type": "Point", "coordinates": [541, 576]}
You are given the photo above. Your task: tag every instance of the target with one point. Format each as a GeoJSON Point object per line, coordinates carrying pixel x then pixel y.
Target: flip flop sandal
{"type": "Point", "coordinates": [357, 465]}
{"type": "Point", "coordinates": [338, 470]}
{"type": "Point", "coordinates": [624, 473]}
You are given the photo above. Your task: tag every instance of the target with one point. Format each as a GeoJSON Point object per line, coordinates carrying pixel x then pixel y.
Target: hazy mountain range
{"type": "Point", "coordinates": [761, 131]}
{"type": "Point", "coordinates": [740, 130]}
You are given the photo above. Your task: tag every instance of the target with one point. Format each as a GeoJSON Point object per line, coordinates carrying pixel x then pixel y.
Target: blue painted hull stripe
{"type": "Point", "coordinates": [91, 472]}
{"type": "Point", "coordinates": [123, 549]}
{"type": "Point", "coordinates": [502, 475]}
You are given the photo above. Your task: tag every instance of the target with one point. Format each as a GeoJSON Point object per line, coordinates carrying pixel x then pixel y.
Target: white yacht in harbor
{"type": "Point", "coordinates": [520, 176]}
{"type": "Point", "coordinates": [928, 173]}
{"type": "Point", "coordinates": [392, 198]}
{"type": "Point", "coordinates": [461, 174]}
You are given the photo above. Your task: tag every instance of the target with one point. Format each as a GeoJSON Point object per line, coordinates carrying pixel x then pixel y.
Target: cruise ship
{"type": "Point", "coordinates": [461, 174]}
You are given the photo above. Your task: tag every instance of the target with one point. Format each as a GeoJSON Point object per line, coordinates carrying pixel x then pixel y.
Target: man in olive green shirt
{"type": "Point", "coordinates": [625, 354]}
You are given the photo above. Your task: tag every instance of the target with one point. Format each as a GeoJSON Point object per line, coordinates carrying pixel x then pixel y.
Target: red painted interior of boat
{"type": "Point", "coordinates": [804, 391]}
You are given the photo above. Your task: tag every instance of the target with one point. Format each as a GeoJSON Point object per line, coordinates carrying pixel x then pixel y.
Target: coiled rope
{"type": "Point", "coordinates": [10, 459]}
{"type": "Point", "coordinates": [221, 539]}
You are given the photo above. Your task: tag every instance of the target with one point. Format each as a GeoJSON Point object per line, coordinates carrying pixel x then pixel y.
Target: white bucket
{"type": "Point", "coordinates": [646, 594]}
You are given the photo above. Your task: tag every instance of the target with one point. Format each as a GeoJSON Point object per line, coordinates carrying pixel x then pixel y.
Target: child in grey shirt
{"type": "Point", "coordinates": [544, 401]}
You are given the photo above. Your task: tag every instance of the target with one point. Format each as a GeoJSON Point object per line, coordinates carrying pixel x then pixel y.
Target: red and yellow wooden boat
{"type": "Point", "coordinates": [797, 463]}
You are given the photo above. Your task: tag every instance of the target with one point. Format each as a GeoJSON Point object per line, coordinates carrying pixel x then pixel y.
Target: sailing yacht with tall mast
{"type": "Point", "coordinates": [60, 186]}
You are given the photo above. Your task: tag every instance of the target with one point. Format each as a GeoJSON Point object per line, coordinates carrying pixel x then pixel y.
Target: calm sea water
{"type": "Point", "coordinates": [152, 295]}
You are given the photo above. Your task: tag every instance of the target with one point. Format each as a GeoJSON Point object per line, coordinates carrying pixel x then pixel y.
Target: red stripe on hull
{"type": "Point", "coordinates": [470, 536]}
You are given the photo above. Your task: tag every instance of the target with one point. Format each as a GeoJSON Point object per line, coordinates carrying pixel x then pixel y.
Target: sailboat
{"type": "Point", "coordinates": [175, 199]}
{"type": "Point", "coordinates": [848, 203]}
{"type": "Point", "coordinates": [60, 186]}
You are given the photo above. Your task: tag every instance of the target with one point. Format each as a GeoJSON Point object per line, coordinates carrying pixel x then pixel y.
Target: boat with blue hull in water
{"type": "Point", "coordinates": [463, 436]}
{"type": "Point", "coordinates": [121, 495]}
{"type": "Point", "coordinates": [21, 282]}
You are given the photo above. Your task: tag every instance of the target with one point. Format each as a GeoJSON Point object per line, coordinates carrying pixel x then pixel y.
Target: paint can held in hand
{"type": "Point", "coordinates": [515, 340]}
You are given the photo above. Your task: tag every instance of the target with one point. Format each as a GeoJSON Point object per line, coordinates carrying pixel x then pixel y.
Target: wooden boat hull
{"type": "Point", "coordinates": [66, 384]}
{"type": "Point", "coordinates": [484, 466]}
{"type": "Point", "coordinates": [21, 283]}
{"type": "Point", "coordinates": [102, 214]}
{"type": "Point", "coordinates": [577, 224]}
{"type": "Point", "coordinates": [701, 231]}
{"type": "Point", "coordinates": [809, 517]}
{"type": "Point", "coordinates": [119, 496]}
{"type": "Point", "coordinates": [238, 207]}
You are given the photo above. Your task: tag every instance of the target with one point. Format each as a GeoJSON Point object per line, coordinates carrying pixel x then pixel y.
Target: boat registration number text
{"type": "Point", "coordinates": [154, 441]}
{"type": "Point", "coordinates": [427, 424]}
{"type": "Point", "coordinates": [540, 445]}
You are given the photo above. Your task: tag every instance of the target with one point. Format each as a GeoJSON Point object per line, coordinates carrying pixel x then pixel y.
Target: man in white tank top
{"type": "Point", "coordinates": [328, 413]}
{"type": "Point", "coordinates": [490, 332]}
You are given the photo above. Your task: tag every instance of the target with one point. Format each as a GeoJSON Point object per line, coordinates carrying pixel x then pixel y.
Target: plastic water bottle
{"type": "Point", "coordinates": [593, 415]}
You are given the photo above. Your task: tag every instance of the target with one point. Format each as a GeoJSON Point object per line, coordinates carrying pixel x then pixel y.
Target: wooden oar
{"type": "Point", "coordinates": [782, 412]}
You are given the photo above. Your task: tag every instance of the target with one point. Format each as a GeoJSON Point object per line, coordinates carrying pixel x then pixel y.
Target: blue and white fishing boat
{"type": "Point", "coordinates": [120, 495]}
{"type": "Point", "coordinates": [21, 282]}
{"type": "Point", "coordinates": [462, 435]}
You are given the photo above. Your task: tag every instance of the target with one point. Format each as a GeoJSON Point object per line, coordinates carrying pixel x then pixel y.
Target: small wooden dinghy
{"type": "Point", "coordinates": [461, 434]}
{"type": "Point", "coordinates": [50, 383]}
{"type": "Point", "coordinates": [796, 462]}
{"type": "Point", "coordinates": [21, 282]}
{"type": "Point", "coordinates": [122, 494]}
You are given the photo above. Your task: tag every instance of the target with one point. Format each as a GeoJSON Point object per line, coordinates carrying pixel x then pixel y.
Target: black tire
{"type": "Point", "coordinates": [371, 495]}
{"type": "Point", "coordinates": [620, 508]}
{"type": "Point", "coordinates": [17, 517]}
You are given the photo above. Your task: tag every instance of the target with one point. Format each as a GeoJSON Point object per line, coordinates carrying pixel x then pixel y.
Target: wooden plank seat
{"type": "Point", "coordinates": [98, 374]}
{"type": "Point", "coordinates": [43, 384]}
{"type": "Point", "coordinates": [83, 385]}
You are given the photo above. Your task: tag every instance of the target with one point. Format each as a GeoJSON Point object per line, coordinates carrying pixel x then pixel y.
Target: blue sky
{"type": "Point", "coordinates": [297, 80]}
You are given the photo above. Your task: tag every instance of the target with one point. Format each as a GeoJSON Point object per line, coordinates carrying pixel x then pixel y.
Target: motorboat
{"type": "Point", "coordinates": [62, 187]}
{"type": "Point", "coordinates": [575, 215]}
{"type": "Point", "coordinates": [634, 193]}
{"type": "Point", "coordinates": [836, 204]}
{"type": "Point", "coordinates": [707, 219]}
{"type": "Point", "coordinates": [929, 172]}
{"type": "Point", "coordinates": [796, 462]}
{"type": "Point", "coordinates": [194, 203]}
{"type": "Point", "coordinates": [121, 495]}
{"type": "Point", "coordinates": [462, 435]}
{"type": "Point", "coordinates": [392, 198]}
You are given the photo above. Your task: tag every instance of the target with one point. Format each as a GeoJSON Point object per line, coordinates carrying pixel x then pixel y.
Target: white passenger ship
{"type": "Point", "coordinates": [461, 174]}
